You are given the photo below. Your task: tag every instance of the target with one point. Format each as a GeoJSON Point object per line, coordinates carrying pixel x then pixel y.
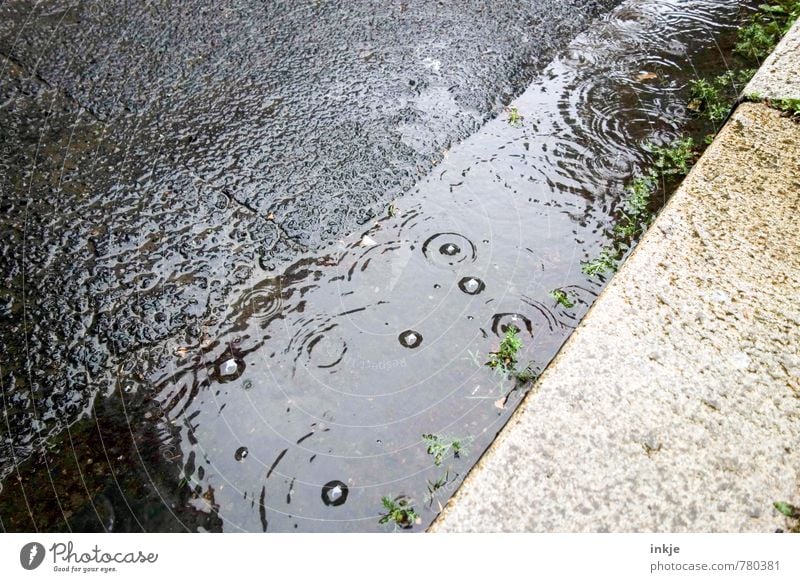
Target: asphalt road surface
{"type": "Point", "coordinates": [157, 156]}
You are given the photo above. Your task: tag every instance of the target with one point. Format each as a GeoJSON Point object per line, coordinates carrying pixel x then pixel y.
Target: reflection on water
{"type": "Point", "coordinates": [307, 404]}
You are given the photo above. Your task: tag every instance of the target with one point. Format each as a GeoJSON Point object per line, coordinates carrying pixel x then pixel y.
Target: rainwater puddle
{"type": "Point", "coordinates": [306, 406]}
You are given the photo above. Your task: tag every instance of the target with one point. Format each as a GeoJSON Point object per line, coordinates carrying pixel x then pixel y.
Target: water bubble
{"type": "Point", "coordinates": [228, 368]}
{"type": "Point", "coordinates": [410, 339]}
{"type": "Point", "coordinates": [471, 285]}
{"type": "Point", "coordinates": [240, 454]}
{"type": "Point", "coordinates": [448, 249]}
{"type": "Point", "coordinates": [334, 493]}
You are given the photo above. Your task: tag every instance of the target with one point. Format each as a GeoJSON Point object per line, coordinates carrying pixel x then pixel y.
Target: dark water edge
{"type": "Point", "coordinates": [310, 370]}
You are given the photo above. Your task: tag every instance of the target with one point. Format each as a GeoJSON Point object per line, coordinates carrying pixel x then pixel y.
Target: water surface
{"type": "Point", "coordinates": [301, 401]}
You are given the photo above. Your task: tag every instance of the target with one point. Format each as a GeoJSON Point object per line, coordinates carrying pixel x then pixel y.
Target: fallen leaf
{"type": "Point", "coordinates": [644, 76]}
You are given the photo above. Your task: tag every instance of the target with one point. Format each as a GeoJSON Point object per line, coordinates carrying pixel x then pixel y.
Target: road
{"type": "Point", "coordinates": [157, 158]}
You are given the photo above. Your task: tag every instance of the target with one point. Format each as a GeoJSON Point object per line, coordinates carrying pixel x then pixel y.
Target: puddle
{"type": "Point", "coordinates": [306, 404]}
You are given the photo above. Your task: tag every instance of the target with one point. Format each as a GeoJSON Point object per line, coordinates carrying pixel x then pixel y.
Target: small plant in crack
{"type": "Point", "coordinates": [505, 358]}
{"type": "Point", "coordinates": [635, 215]}
{"type": "Point", "coordinates": [605, 262]}
{"type": "Point", "coordinates": [562, 298]}
{"type": "Point", "coordinates": [398, 511]}
{"type": "Point", "coordinates": [526, 375]}
{"type": "Point", "coordinates": [434, 487]}
{"type": "Point", "coordinates": [707, 100]}
{"type": "Point", "coordinates": [439, 447]}
{"type": "Point", "coordinates": [627, 228]}
{"type": "Point", "coordinates": [675, 159]}
{"type": "Point", "coordinates": [790, 106]}
{"type": "Point", "coordinates": [714, 98]}
{"type": "Point", "coordinates": [634, 218]}
{"type": "Point", "coordinates": [514, 116]}
{"type": "Point", "coordinates": [639, 193]}
{"type": "Point", "coordinates": [757, 40]}
{"type": "Point", "coordinates": [791, 512]}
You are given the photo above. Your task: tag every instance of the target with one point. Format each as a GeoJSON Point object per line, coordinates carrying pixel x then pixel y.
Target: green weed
{"type": "Point", "coordinates": [514, 116]}
{"type": "Point", "coordinates": [635, 215]}
{"type": "Point", "coordinates": [737, 79]}
{"type": "Point", "coordinates": [675, 159]}
{"type": "Point", "coordinates": [627, 228]}
{"type": "Point", "coordinates": [399, 511]}
{"type": "Point", "coordinates": [787, 509]}
{"type": "Point", "coordinates": [639, 193]}
{"type": "Point", "coordinates": [714, 98]}
{"type": "Point", "coordinates": [439, 447]}
{"type": "Point", "coordinates": [435, 486]}
{"type": "Point", "coordinates": [606, 261]}
{"type": "Point", "coordinates": [792, 512]}
{"type": "Point", "coordinates": [758, 39]}
{"type": "Point", "coordinates": [526, 375]}
{"type": "Point", "coordinates": [562, 298]}
{"type": "Point", "coordinates": [707, 100]}
{"type": "Point", "coordinates": [505, 358]}
{"type": "Point", "coordinates": [790, 106]}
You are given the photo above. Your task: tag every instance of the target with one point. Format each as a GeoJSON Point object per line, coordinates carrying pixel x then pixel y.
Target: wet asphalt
{"type": "Point", "coordinates": [155, 157]}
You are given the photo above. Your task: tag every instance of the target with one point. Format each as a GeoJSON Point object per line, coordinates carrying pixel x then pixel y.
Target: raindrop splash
{"type": "Point", "coordinates": [410, 339]}
{"type": "Point", "coordinates": [449, 249]}
{"type": "Point", "coordinates": [471, 285]}
{"type": "Point", "coordinates": [334, 493]}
